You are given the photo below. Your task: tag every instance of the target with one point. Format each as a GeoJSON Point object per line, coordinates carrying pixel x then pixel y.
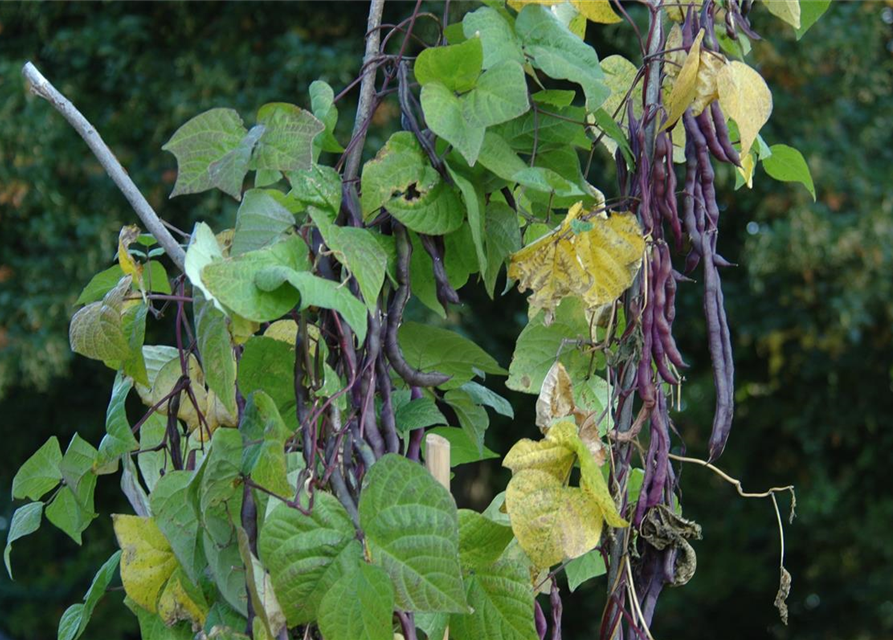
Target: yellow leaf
{"type": "Point", "coordinates": [542, 455]}
{"type": "Point", "coordinates": [283, 330]}
{"type": "Point", "coordinates": [552, 522]}
{"type": "Point", "coordinates": [147, 561]}
{"type": "Point", "coordinates": [787, 10]}
{"type": "Point", "coordinates": [596, 265]}
{"type": "Point", "coordinates": [593, 482]}
{"type": "Point", "coordinates": [129, 266]}
{"type": "Point", "coordinates": [675, 56]}
{"type": "Point", "coordinates": [594, 10]}
{"type": "Point", "coordinates": [676, 11]}
{"type": "Point", "coordinates": [260, 589]}
{"type": "Point", "coordinates": [597, 10]}
{"type": "Point", "coordinates": [748, 165]}
{"type": "Point", "coordinates": [686, 86]}
{"type": "Point", "coordinates": [556, 398]}
{"type": "Point", "coordinates": [744, 97]}
{"type": "Point", "coordinates": [706, 90]}
{"type": "Point", "coordinates": [182, 600]}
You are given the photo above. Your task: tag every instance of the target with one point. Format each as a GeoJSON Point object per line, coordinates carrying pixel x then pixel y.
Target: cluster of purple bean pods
{"type": "Point", "coordinates": [685, 221]}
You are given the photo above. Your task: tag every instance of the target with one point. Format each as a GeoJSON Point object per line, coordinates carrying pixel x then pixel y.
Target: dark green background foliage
{"type": "Point", "coordinates": [811, 306]}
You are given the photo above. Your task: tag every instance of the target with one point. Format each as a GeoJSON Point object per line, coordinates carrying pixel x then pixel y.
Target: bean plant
{"type": "Point", "coordinates": [276, 474]}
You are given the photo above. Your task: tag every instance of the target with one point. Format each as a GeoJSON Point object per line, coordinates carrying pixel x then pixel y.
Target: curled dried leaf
{"type": "Point", "coordinates": [556, 399]}
{"type": "Point", "coordinates": [781, 598]}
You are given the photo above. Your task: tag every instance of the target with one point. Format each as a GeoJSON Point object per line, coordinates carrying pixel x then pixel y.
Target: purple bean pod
{"type": "Point", "coordinates": [705, 125]}
{"type": "Point", "coordinates": [722, 133]}
{"type": "Point", "coordinates": [395, 315]}
{"type": "Point", "coordinates": [672, 202]}
{"type": "Point", "coordinates": [664, 340]}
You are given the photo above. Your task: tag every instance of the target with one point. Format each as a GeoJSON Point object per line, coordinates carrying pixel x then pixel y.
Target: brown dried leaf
{"type": "Point", "coordinates": [556, 399]}
{"type": "Point", "coordinates": [781, 598]}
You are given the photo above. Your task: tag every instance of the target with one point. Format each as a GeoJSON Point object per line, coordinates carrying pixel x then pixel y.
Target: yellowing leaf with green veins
{"type": "Point", "coordinates": [787, 10]}
{"type": "Point", "coordinates": [594, 10]}
{"type": "Point", "coordinates": [596, 265]}
{"type": "Point", "coordinates": [97, 330]}
{"type": "Point", "coordinates": [744, 97]}
{"type": "Point", "coordinates": [547, 455]}
{"type": "Point", "coordinates": [593, 482]}
{"type": "Point", "coordinates": [552, 522]}
{"type": "Point", "coordinates": [748, 165]}
{"type": "Point", "coordinates": [676, 12]}
{"type": "Point", "coordinates": [685, 89]}
{"type": "Point", "coordinates": [181, 600]}
{"type": "Point", "coordinates": [147, 560]}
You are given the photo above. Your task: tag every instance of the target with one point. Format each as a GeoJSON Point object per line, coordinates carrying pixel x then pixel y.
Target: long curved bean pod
{"type": "Point", "coordinates": [395, 315]}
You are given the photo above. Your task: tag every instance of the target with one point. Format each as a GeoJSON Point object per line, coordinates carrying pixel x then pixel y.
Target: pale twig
{"type": "Point", "coordinates": [735, 482]}
{"type": "Point", "coordinates": [42, 87]}
{"type": "Point", "coordinates": [769, 493]}
{"type": "Point", "coordinates": [367, 90]}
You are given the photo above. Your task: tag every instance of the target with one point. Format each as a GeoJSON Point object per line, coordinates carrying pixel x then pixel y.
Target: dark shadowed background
{"type": "Point", "coordinates": [810, 305]}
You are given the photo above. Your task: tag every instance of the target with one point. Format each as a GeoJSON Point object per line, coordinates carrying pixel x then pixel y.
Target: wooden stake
{"type": "Point", "coordinates": [437, 459]}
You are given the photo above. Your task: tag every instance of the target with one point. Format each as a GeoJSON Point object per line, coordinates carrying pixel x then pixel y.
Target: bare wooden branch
{"type": "Point", "coordinates": [367, 89]}
{"type": "Point", "coordinates": [42, 87]}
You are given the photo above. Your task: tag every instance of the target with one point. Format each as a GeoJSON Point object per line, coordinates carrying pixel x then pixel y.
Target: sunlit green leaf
{"type": "Point", "coordinates": [287, 141]}
{"type": "Point", "coordinates": [502, 598]}
{"type": "Point", "coordinates": [306, 555]}
{"type": "Point", "coordinates": [25, 521]}
{"type": "Point", "coordinates": [561, 54]}
{"type": "Point", "coordinates": [199, 143]}
{"type": "Point", "coordinates": [97, 331]}
{"type": "Point", "coordinates": [472, 417]}
{"type": "Point", "coordinates": [360, 606]}
{"type": "Point", "coordinates": [496, 34]}
{"type": "Point", "coordinates": [316, 292]}
{"type": "Point", "coordinates": [262, 219]}
{"type": "Point", "coordinates": [788, 165]}
{"type": "Point", "coordinates": [175, 511]}
{"type": "Point", "coordinates": [119, 439]}
{"type": "Point", "coordinates": [433, 349]}
{"type": "Point", "coordinates": [40, 473]}
{"type": "Point", "coordinates": [457, 66]}
{"type": "Point", "coordinates": [412, 532]}
{"type": "Point", "coordinates": [232, 281]}
{"type": "Point", "coordinates": [579, 570]}
{"type": "Point", "coordinates": [322, 101]}
{"type": "Point", "coordinates": [481, 540]}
